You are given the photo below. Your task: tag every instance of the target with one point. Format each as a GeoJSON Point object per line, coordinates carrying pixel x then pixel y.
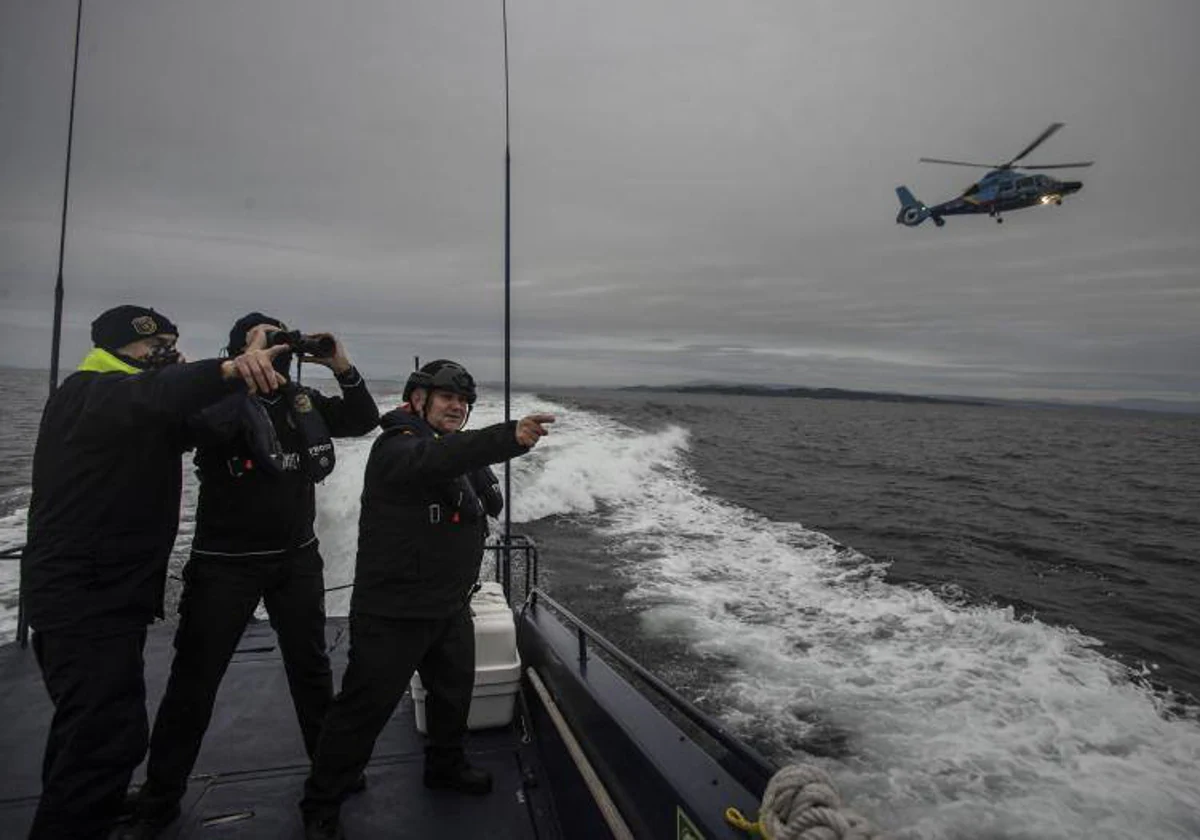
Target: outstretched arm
{"type": "Point", "coordinates": [180, 390]}
{"type": "Point", "coordinates": [409, 458]}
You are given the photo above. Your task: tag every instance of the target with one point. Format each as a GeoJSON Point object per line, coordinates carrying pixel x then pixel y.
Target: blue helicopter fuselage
{"type": "Point", "coordinates": [995, 193]}
{"type": "Point", "coordinates": [1002, 190]}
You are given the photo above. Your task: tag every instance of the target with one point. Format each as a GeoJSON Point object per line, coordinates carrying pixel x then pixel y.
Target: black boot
{"type": "Point", "coordinates": [129, 805]}
{"type": "Point", "coordinates": [323, 828]}
{"type": "Point", "coordinates": [146, 824]}
{"type": "Point", "coordinates": [455, 773]}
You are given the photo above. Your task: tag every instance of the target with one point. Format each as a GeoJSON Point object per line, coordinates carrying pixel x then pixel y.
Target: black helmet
{"type": "Point", "coordinates": [444, 375]}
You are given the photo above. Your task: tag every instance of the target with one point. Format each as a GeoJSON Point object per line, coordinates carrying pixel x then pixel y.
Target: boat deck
{"type": "Point", "coordinates": [249, 776]}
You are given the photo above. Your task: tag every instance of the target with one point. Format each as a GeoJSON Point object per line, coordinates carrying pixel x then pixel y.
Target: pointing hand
{"type": "Point", "coordinates": [255, 369]}
{"type": "Point", "coordinates": [532, 427]}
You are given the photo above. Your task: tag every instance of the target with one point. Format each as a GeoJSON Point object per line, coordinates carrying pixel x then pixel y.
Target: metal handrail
{"type": "Point", "coordinates": [503, 549]}
{"type": "Point", "coordinates": [751, 757]}
{"type": "Point", "coordinates": [585, 633]}
{"type": "Point", "coordinates": [22, 623]}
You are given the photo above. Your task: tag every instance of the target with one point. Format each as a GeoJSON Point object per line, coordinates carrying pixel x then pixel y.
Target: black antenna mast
{"type": "Point", "coordinates": [507, 305]}
{"type": "Point", "coordinates": [22, 619]}
{"type": "Point", "coordinates": [62, 231]}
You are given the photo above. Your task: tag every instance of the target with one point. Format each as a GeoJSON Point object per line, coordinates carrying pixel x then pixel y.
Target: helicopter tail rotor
{"type": "Point", "coordinates": [912, 212]}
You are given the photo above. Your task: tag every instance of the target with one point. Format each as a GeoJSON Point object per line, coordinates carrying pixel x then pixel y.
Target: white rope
{"type": "Point", "coordinates": [800, 803]}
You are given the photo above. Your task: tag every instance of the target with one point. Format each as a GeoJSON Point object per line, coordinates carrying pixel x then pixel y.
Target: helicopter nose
{"type": "Point", "coordinates": [1069, 187]}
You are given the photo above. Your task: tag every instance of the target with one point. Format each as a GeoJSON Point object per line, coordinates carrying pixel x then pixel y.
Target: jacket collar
{"type": "Point", "coordinates": [401, 417]}
{"type": "Point", "coordinates": [102, 361]}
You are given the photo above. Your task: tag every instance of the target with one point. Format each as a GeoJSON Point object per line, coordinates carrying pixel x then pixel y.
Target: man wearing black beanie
{"type": "Point", "coordinates": [102, 520]}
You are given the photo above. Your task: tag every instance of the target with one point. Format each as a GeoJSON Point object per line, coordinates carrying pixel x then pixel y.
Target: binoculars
{"type": "Point", "coordinates": [319, 346]}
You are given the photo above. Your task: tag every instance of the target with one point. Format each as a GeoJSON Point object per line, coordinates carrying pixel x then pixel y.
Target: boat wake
{"type": "Point", "coordinates": [938, 718]}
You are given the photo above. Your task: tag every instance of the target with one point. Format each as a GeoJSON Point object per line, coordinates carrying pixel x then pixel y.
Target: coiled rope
{"type": "Point", "coordinates": [800, 803]}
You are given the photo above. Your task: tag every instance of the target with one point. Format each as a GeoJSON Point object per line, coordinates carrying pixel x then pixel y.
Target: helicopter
{"type": "Point", "coordinates": [1002, 189]}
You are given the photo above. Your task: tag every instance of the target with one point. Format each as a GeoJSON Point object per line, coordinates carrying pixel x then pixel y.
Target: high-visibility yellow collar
{"type": "Point", "coordinates": [102, 361]}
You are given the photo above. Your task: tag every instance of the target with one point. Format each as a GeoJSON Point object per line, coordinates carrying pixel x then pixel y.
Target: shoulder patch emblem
{"type": "Point", "coordinates": [302, 403]}
{"type": "Point", "coordinates": [144, 325]}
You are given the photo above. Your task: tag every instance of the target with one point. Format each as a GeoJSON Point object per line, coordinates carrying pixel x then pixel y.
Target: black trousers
{"type": "Point", "coordinates": [219, 597]}
{"type": "Point", "coordinates": [98, 733]}
{"type": "Point", "coordinates": [384, 653]}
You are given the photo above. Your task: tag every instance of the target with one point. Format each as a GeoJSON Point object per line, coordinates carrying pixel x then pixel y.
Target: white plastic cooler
{"type": "Point", "coordinates": [497, 664]}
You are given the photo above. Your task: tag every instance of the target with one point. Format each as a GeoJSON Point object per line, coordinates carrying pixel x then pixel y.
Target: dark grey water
{"type": "Point", "coordinates": [1081, 517]}
{"type": "Point", "coordinates": [20, 411]}
{"type": "Point", "coordinates": [978, 619]}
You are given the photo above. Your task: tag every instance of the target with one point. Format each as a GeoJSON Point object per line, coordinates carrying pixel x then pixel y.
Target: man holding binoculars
{"type": "Point", "coordinates": [258, 459]}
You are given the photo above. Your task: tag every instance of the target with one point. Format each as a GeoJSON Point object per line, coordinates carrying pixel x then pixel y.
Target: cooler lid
{"type": "Point", "coordinates": [490, 675]}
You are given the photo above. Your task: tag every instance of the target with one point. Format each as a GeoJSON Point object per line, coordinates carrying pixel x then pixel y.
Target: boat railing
{"type": "Point", "coordinates": [12, 554]}
{"type": "Point", "coordinates": [518, 550]}
{"type": "Point", "coordinates": [521, 552]}
{"type": "Point", "coordinates": [751, 767]}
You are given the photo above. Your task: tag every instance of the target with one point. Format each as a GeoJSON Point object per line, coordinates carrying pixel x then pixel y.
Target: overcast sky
{"type": "Point", "coordinates": [702, 189]}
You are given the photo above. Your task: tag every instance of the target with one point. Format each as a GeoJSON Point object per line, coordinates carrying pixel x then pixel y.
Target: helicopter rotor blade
{"type": "Point", "coordinates": [1059, 165]}
{"type": "Point", "coordinates": [1045, 135]}
{"type": "Point", "coordinates": [960, 163]}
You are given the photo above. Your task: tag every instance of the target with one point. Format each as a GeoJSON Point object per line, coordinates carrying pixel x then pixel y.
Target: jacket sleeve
{"type": "Point", "coordinates": [409, 458]}
{"type": "Point", "coordinates": [352, 414]}
{"type": "Point", "coordinates": [176, 391]}
{"type": "Point", "coordinates": [216, 424]}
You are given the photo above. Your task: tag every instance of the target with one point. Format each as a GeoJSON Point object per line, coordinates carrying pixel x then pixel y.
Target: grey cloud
{"type": "Point", "coordinates": [701, 188]}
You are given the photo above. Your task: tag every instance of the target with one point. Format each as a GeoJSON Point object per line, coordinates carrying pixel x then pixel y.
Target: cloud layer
{"type": "Point", "coordinates": [700, 189]}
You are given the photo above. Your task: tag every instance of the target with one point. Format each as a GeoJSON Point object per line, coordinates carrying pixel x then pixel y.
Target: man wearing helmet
{"type": "Point", "coordinates": [427, 493]}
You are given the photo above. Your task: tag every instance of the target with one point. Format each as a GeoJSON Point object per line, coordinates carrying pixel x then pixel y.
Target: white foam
{"type": "Point", "coordinates": [12, 535]}
{"type": "Point", "coordinates": [957, 721]}
{"type": "Point", "coordinates": [338, 503]}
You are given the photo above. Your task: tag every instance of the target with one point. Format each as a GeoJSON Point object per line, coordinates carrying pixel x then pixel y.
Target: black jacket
{"type": "Point", "coordinates": [107, 479]}
{"type": "Point", "coordinates": [423, 524]}
{"type": "Point", "coordinates": [246, 511]}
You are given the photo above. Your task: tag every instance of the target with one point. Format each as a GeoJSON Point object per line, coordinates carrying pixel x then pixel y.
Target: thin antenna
{"type": "Point", "coordinates": [507, 305]}
{"type": "Point", "coordinates": [22, 619]}
{"type": "Point", "coordinates": [62, 231]}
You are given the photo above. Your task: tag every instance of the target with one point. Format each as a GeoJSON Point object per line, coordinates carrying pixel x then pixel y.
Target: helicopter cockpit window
{"type": "Point", "coordinates": [1024, 183]}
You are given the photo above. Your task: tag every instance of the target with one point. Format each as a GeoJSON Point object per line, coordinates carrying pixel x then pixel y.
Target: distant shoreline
{"type": "Point", "coordinates": [1155, 406]}
{"type": "Point", "coordinates": [797, 392]}
{"type": "Point", "coordinates": [809, 393]}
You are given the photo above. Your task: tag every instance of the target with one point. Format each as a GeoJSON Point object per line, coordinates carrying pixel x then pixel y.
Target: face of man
{"type": "Point", "coordinates": [156, 347]}
{"type": "Point", "coordinates": [447, 410]}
